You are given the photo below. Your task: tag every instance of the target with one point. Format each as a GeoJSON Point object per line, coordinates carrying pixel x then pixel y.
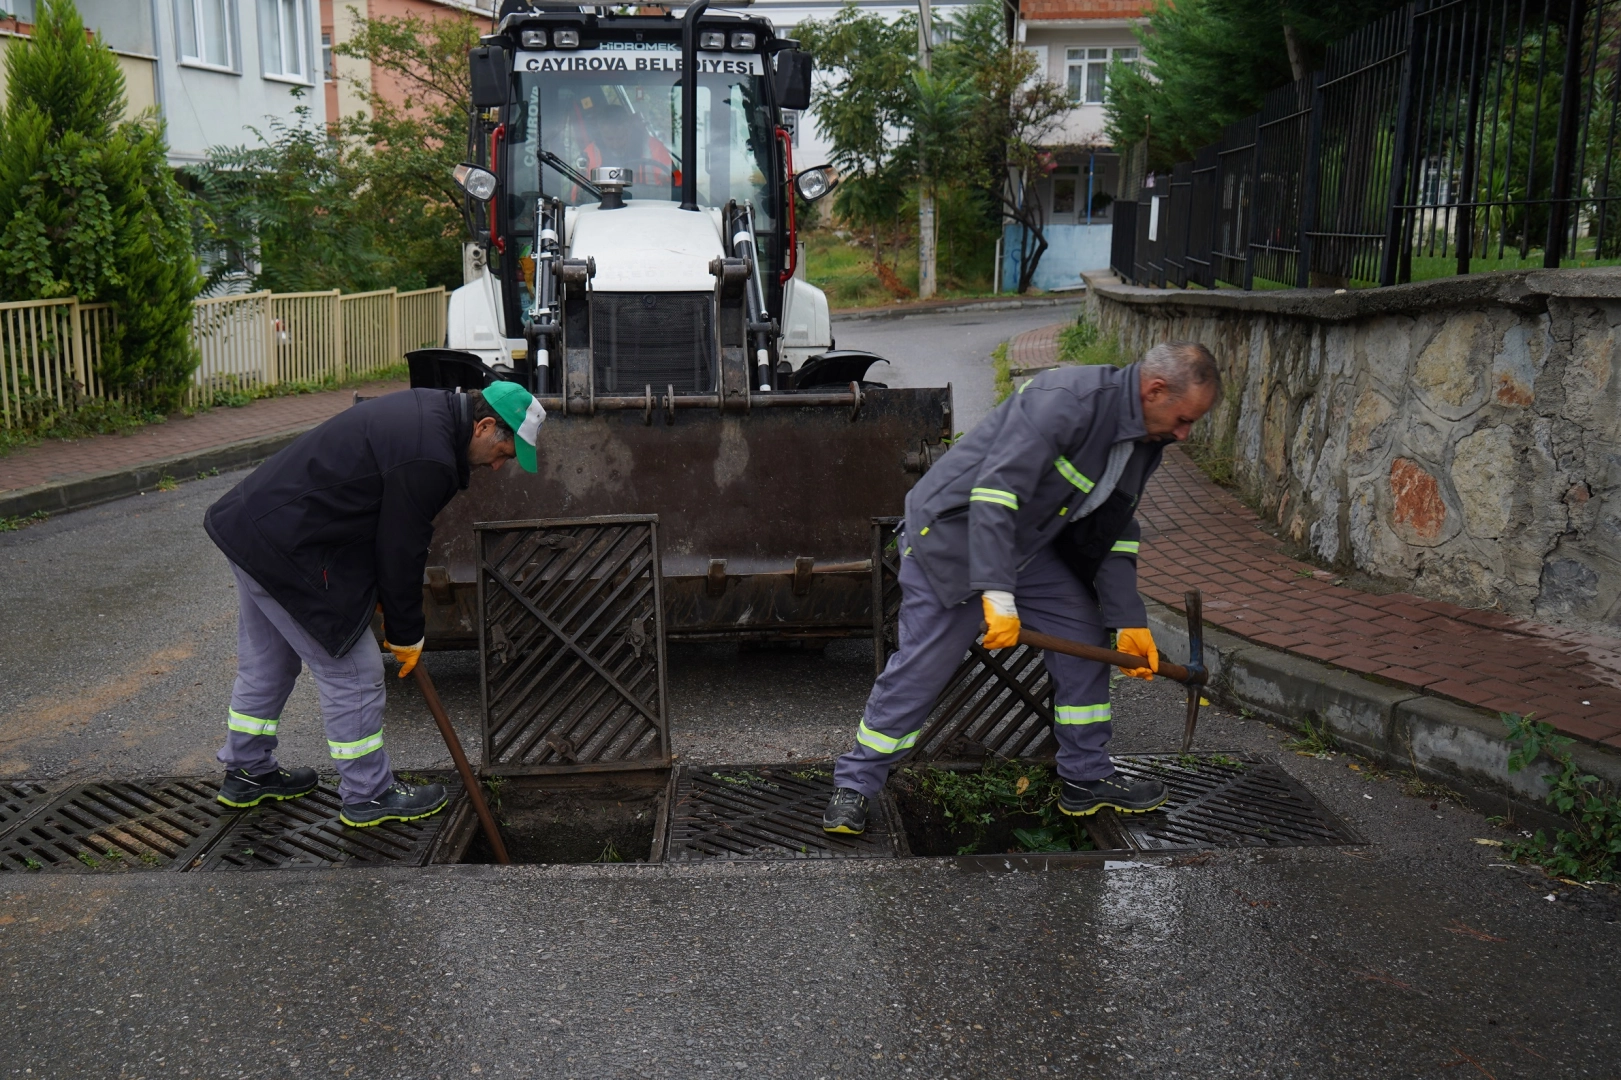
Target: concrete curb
{"type": "Point", "coordinates": [861, 314]}
{"type": "Point", "coordinates": [1397, 726]}
{"type": "Point", "coordinates": [86, 491]}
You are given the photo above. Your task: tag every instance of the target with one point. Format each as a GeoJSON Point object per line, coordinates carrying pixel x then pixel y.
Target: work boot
{"type": "Point", "coordinates": [242, 790]}
{"type": "Point", "coordinates": [846, 812]}
{"type": "Point", "coordinates": [1116, 791]}
{"type": "Point", "coordinates": [400, 802]}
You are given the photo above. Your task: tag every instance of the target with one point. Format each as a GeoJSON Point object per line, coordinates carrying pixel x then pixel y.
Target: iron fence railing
{"type": "Point", "coordinates": [51, 350]}
{"type": "Point", "coordinates": [1448, 137]}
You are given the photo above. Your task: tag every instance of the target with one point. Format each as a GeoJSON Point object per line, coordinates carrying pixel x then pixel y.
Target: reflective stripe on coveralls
{"type": "Point", "coordinates": [251, 725]}
{"type": "Point", "coordinates": [991, 495]}
{"type": "Point", "coordinates": [882, 743]}
{"type": "Point", "coordinates": [1082, 714]}
{"type": "Point", "coordinates": [359, 748]}
{"type": "Point", "coordinates": [1128, 546]}
{"type": "Point", "coordinates": [1072, 474]}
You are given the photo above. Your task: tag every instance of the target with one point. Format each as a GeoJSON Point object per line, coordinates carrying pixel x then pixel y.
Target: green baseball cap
{"type": "Point", "coordinates": [522, 413]}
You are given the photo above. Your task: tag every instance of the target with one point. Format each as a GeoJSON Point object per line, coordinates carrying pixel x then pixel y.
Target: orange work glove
{"type": "Point", "coordinates": [407, 655]}
{"type": "Point", "coordinates": [1001, 621]}
{"type": "Point", "coordinates": [1138, 642]}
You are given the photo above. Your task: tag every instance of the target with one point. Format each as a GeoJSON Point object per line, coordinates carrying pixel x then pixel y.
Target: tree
{"type": "Point", "coordinates": [1014, 112]}
{"type": "Point", "coordinates": [863, 104]}
{"type": "Point", "coordinates": [1210, 62]}
{"type": "Point", "coordinates": [91, 209]}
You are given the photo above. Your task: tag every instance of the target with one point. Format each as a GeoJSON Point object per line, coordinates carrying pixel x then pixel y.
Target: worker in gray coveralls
{"type": "Point", "coordinates": [1033, 513]}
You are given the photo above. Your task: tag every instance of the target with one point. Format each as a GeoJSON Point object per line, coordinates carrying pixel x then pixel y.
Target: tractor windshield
{"type": "Point", "coordinates": [622, 107]}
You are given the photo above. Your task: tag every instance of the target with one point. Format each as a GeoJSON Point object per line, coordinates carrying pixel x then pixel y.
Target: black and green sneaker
{"type": "Point", "coordinates": [401, 802]}
{"type": "Point", "coordinates": [846, 812]}
{"type": "Point", "coordinates": [1115, 791]}
{"type": "Point", "coordinates": [242, 789]}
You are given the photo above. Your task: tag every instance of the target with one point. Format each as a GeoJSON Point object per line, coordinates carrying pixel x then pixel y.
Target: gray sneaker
{"type": "Point", "coordinates": [242, 789]}
{"type": "Point", "coordinates": [401, 802]}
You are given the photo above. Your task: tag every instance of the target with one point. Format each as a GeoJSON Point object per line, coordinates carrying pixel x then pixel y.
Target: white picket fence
{"type": "Point", "coordinates": [52, 348]}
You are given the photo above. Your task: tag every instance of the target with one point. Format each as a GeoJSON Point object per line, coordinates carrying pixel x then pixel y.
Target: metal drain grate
{"type": "Point", "coordinates": [767, 812]}
{"type": "Point", "coordinates": [1226, 801]}
{"type": "Point", "coordinates": [147, 825]}
{"type": "Point", "coordinates": [306, 832]}
{"type": "Point", "coordinates": [18, 799]}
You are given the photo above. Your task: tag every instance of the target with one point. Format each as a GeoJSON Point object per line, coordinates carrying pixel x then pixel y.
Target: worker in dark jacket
{"type": "Point", "coordinates": [1033, 515]}
{"type": "Point", "coordinates": [319, 537]}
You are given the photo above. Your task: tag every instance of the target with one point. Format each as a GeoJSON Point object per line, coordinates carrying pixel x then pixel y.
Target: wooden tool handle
{"type": "Point", "coordinates": [470, 783]}
{"type": "Point", "coordinates": [1102, 656]}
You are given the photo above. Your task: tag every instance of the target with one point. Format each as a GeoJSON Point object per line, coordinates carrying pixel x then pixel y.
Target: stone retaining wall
{"type": "Point", "coordinates": [1462, 436]}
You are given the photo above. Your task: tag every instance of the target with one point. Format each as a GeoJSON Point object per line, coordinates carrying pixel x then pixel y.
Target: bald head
{"type": "Point", "coordinates": [1178, 382]}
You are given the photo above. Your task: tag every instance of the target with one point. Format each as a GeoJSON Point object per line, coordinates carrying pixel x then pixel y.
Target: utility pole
{"type": "Point", "coordinates": [926, 286]}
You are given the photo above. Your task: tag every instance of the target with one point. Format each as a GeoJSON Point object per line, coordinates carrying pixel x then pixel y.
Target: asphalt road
{"type": "Point", "coordinates": [1416, 955]}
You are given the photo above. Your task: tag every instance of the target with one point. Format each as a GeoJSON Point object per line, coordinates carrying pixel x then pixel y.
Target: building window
{"type": "Point", "coordinates": [1088, 72]}
{"type": "Point", "coordinates": [281, 36]}
{"type": "Point", "coordinates": [328, 70]}
{"type": "Point", "coordinates": [1065, 179]}
{"type": "Point", "coordinates": [205, 32]}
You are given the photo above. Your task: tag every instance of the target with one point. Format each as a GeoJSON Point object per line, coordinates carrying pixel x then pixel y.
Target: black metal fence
{"type": "Point", "coordinates": [1449, 136]}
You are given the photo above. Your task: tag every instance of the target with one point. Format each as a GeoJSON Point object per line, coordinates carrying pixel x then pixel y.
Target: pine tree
{"type": "Point", "coordinates": [90, 208]}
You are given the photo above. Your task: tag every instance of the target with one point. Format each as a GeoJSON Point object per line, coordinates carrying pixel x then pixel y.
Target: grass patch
{"type": "Point", "coordinates": [844, 268]}
{"type": "Point", "coordinates": [42, 417]}
{"type": "Point", "coordinates": [1214, 456]}
{"type": "Point", "coordinates": [1590, 850]}
{"type": "Point", "coordinates": [18, 521]}
{"type": "Point", "coordinates": [234, 394]}
{"type": "Point", "coordinates": [1315, 742]}
{"type": "Point", "coordinates": [1003, 371]}
{"type": "Point", "coordinates": [1084, 342]}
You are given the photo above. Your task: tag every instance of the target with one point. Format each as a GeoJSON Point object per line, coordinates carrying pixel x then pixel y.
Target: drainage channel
{"type": "Point", "coordinates": [689, 814]}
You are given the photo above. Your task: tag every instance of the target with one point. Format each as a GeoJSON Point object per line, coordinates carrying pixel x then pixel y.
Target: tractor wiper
{"type": "Point", "coordinates": [569, 171]}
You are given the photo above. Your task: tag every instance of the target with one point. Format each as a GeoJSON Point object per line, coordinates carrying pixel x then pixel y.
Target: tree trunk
{"type": "Point", "coordinates": [1298, 67]}
{"type": "Point", "coordinates": [925, 243]}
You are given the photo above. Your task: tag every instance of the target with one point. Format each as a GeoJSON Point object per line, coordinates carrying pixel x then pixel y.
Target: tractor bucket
{"type": "Point", "coordinates": [765, 515]}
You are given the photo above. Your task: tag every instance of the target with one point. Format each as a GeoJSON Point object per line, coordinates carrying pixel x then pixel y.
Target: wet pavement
{"type": "Point", "coordinates": [1417, 955]}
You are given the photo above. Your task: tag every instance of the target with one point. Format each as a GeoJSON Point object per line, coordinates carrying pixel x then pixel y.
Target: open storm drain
{"type": "Point", "coordinates": [766, 812]}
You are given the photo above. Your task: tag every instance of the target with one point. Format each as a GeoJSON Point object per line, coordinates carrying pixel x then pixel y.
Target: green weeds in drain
{"type": "Point", "coordinates": [32, 863]}
{"type": "Point", "coordinates": [150, 859]}
{"type": "Point", "coordinates": [114, 854]}
{"type": "Point", "coordinates": [610, 854]}
{"type": "Point", "coordinates": [745, 779]}
{"type": "Point", "coordinates": [88, 859]}
{"type": "Point", "coordinates": [1591, 849]}
{"type": "Point", "coordinates": [1223, 761]}
{"type": "Point", "coordinates": [1317, 742]}
{"type": "Point", "coordinates": [811, 776]}
{"type": "Point", "coordinates": [974, 800]}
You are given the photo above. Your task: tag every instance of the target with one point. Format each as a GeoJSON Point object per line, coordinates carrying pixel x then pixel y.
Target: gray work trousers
{"type": "Point", "coordinates": [933, 640]}
{"type": "Point", "coordinates": [271, 648]}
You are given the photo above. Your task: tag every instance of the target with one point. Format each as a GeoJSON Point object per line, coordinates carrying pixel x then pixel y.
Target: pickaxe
{"type": "Point", "coordinates": [1194, 676]}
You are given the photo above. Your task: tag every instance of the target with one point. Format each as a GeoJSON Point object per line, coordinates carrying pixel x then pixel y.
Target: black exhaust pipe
{"type": "Point", "coordinates": [689, 104]}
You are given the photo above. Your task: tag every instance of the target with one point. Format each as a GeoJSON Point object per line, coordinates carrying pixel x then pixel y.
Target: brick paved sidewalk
{"type": "Point", "coordinates": [1035, 348]}
{"type": "Point", "coordinates": [59, 460]}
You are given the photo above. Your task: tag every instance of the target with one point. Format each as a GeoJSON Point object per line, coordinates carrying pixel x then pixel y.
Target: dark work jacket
{"type": "Point", "coordinates": [341, 519]}
{"type": "Point", "coordinates": [1013, 485]}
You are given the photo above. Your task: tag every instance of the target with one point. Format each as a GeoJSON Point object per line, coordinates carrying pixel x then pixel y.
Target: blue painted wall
{"type": "Point", "coordinates": [1070, 250]}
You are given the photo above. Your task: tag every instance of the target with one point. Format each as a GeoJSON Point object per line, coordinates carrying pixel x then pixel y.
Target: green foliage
{"type": "Point", "coordinates": [1210, 62]}
{"type": "Point", "coordinates": [365, 205]}
{"type": "Point", "coordinates": [973, 800]}
{"type": "Point", "coordinates": [18, 521]}
{"type": "Point", "coordinates": [90, 208]}
{"type": "Point", "coordinates": [1003, 369]}
{"type": "Point", "coordinates": [1591, 849]}
{"type": "Point", "coordinates": [75, 417]}
{"type": "Point", "coordinates": [1083, 342]}
{"type": "Point", "coordinates": [1315, 741]}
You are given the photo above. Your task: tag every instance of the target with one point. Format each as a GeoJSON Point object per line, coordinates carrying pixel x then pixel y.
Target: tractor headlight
{"type": "Point", "coordinates": [812, 184]}
{"type": "Point", "coordinates": [477, 182]}
{"type": "Point", "coordinates": [711, 39]}
{"type": "Point", "coordinates": [566, 39]}
{"type": "Point", "coordinates": [743, 42]}
{"type": "Point", "coordinates": [534, 39]}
